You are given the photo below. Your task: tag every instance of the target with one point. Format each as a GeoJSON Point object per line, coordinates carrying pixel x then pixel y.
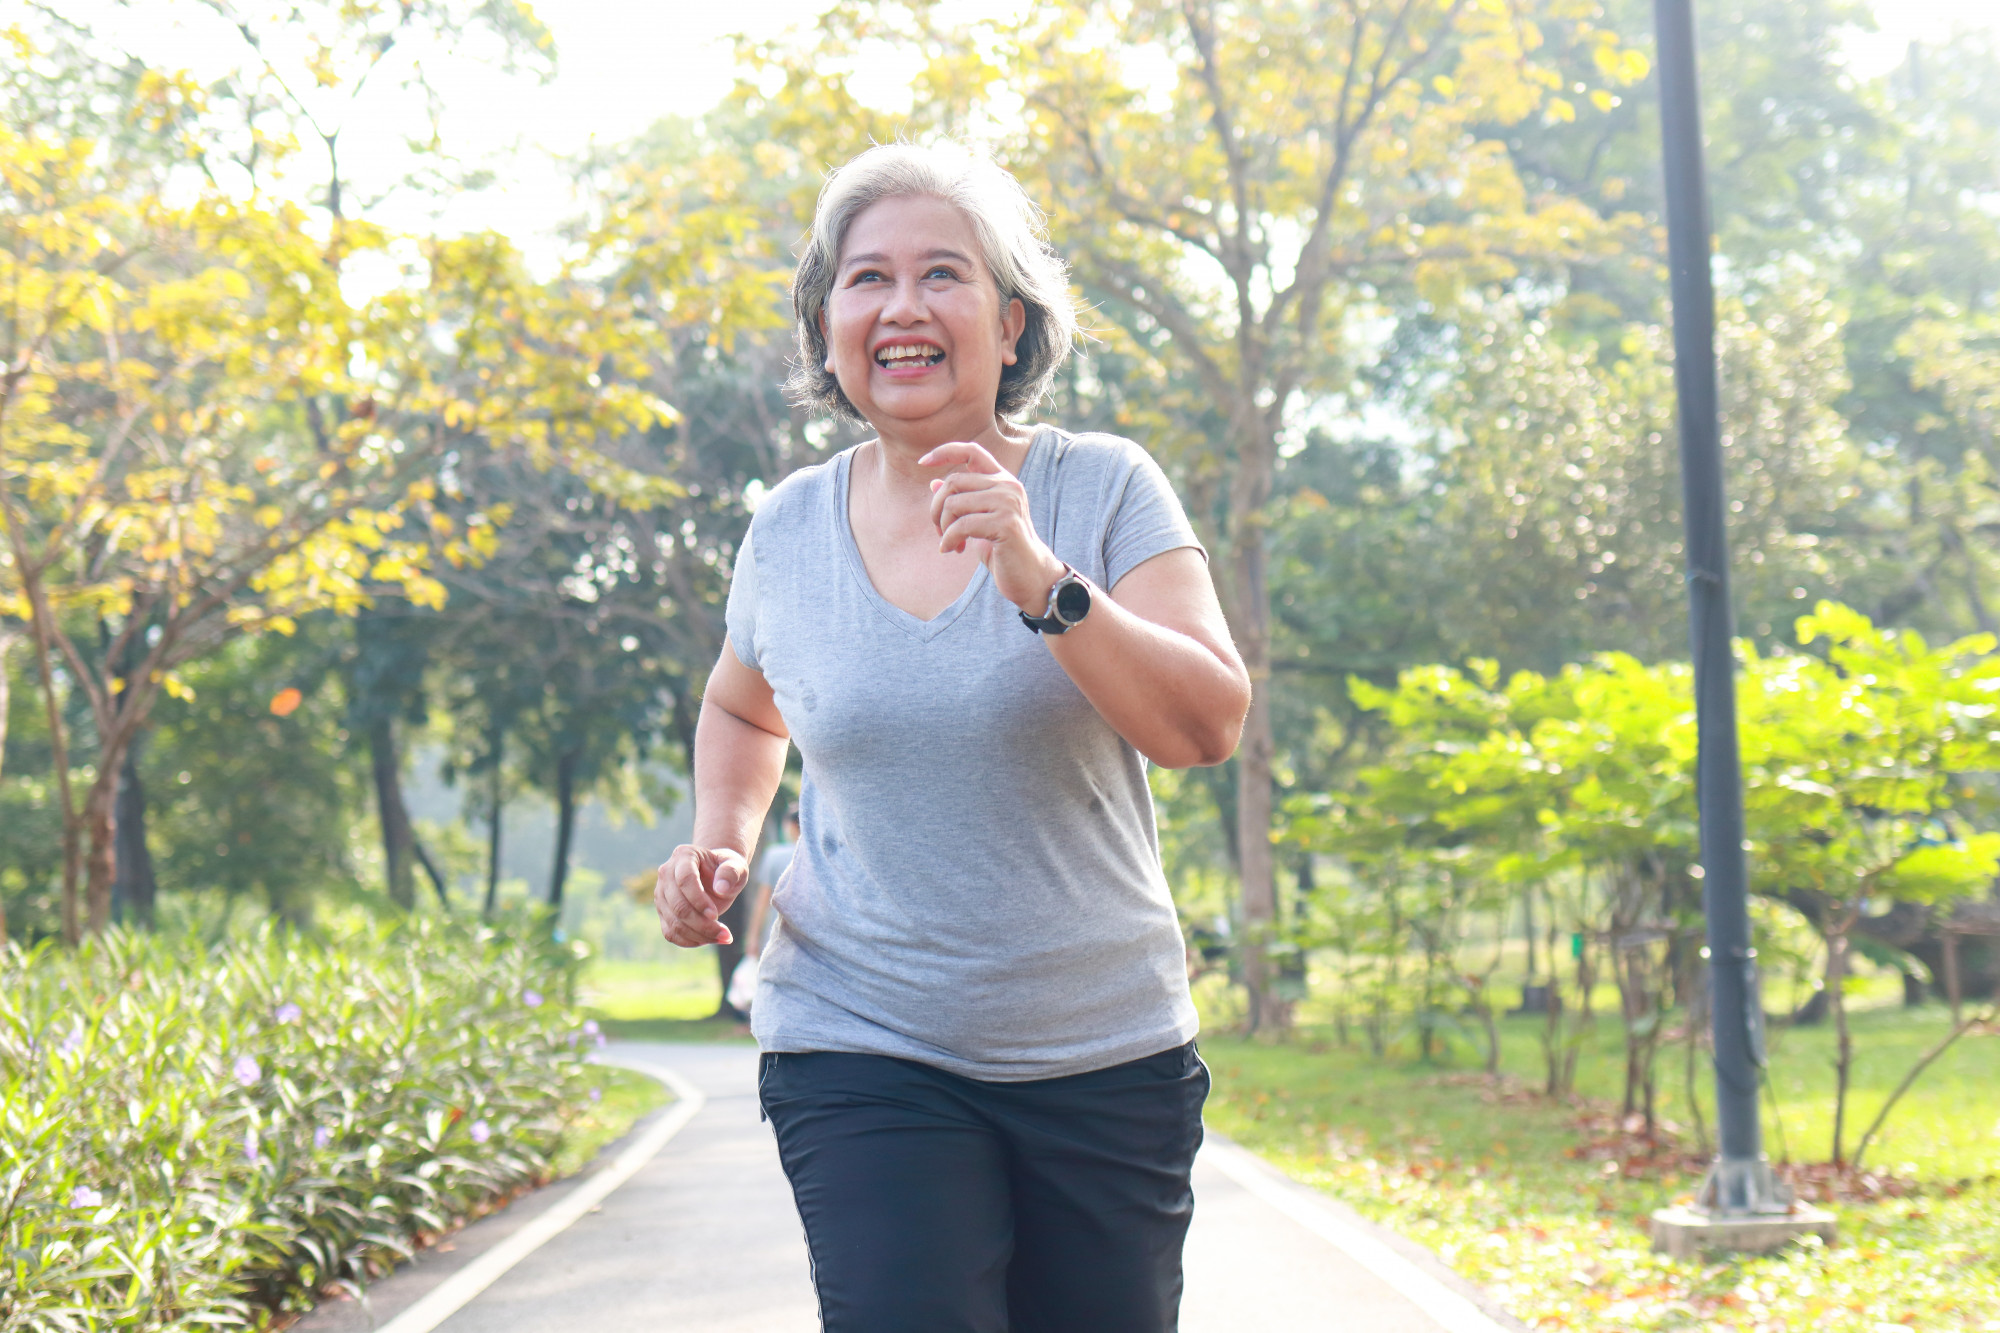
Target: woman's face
{"type": "Point", "coordinates": [915, 330]}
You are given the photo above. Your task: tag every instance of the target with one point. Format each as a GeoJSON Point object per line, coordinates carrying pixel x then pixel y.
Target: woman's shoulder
{"type": "Point", "coordinates": [794, 500]}
{"type": "Point", "coordinates": [1100, 451]}
{"type": "Point", "coordinates": [1111, 467]}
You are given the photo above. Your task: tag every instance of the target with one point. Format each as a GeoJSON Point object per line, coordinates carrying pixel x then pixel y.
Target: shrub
{"type": "Point", "coordinates": [209, 1137]}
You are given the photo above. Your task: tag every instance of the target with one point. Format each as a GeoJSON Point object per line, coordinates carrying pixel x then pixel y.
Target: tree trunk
{"type": "Point", "coordinates": [1697, 1027]}
{"type": "Point", "coordinates": [72, 825]}
{"type": "Point", "coordinates": [135, 888]}
{"type": "Point", "coordinates": [495, 818]}
{"type": "Point", "coordinates": [100, 815]}
{"type": "Point", "coordinates": [566, 764]}
{"type": "Point", "coordinates": [1843, 1060]}
{"type": "Point", "coordinates": [1644, 962]}
{"type": "Point", "coordinates": [1551, 1036]}
{"type": "Point", "coordinates": [6, 649]}
{"type": "Point", "coordinates": [431, 870]}
{"type": "Point", "coordinates": [1954, 988]}
{"type": "Point", "coordinates": [1528, 929]}
{"type": "Point", "coordinates": [7, 639]}
{"type": "Point", "coordinates": [1250, 595]}
{"type": "Point", "coordinates": [1480, 996]}
{"type": "Point", "coordinates": [1586, 1018]}
{"type": "Point", "coordinates": [398, 842]}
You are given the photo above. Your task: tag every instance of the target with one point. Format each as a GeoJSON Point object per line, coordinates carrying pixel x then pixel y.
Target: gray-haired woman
{"type": "Point", "coordinates": [977, 1038]}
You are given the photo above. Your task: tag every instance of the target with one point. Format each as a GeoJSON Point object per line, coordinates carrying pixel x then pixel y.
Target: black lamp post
{"type": "Point", "coordinates": [1740, 1183]}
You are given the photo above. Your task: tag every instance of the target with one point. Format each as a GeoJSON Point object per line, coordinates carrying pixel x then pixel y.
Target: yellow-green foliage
{"type": "Point", "coordinates": [195, 1136]}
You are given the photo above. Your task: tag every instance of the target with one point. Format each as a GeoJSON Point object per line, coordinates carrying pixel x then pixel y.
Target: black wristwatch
{"type": "Point", "coordinates": [1069, 603]}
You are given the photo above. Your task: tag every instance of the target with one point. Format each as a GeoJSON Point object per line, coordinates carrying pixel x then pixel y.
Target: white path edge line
{"type": "Point", "coordinates": [452, 1295]}
{"type": "Point", "coordinates": [1452, 1311]}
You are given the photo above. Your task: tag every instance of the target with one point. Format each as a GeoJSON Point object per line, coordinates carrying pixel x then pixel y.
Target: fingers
{"type": "Point", "coordinates": [971, 492]}
{"type": "Point", "coordinates": [729, 877]}
{"type": "Point", "coordinates": [991, 527]}
{"type": "Point", "coordinates": [671, 903]}
{"type": "Point", "coordinates": [690, 910]}
{"type": "Point", "coordinates": [964, 454]}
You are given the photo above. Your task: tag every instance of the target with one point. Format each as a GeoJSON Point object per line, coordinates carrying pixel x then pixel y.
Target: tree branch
{"type": "Point", "coordinates": [1174, 317]}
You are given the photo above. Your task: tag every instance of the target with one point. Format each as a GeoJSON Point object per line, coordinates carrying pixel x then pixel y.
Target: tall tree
{"type": "Point", "coordinates": [201, 438]}
{"type": "Point", "coordinates": [304, 74]}
{"type": "Point", "coordinates": [1235, 186]}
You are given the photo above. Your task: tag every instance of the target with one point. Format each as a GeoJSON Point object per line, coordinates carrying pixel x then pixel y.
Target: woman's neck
{"type": "Point", "coordinates": [892, 457]}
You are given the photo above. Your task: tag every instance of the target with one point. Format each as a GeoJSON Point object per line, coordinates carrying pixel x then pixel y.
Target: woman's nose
{"type": "Point", "coordinates": [906, 303]}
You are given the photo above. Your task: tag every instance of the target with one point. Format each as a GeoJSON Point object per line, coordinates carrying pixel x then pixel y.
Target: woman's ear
{"type": "Point", "coordinates": [1013, 323]}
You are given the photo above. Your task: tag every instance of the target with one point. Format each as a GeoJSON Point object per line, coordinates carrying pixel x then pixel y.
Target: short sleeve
{"type": "Point", "coordinates": [1145, 519]}
{"type": "Point", "coordinates": [740, 616]}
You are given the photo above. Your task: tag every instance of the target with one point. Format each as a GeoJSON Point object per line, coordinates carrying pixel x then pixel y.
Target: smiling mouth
{"type": "Point", "coordinates": [908, 357]}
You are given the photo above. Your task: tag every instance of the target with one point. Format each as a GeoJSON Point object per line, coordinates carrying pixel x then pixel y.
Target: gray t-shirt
{"type": "Point", "coordinates": [977, 884]}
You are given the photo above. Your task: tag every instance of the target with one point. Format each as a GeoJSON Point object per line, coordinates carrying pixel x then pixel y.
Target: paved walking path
{"type": "Point", "coordinates": [702, 1237]}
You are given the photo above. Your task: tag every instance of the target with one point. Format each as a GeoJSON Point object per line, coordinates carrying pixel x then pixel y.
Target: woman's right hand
{"type": "Point", "coordinates": [693, 889]}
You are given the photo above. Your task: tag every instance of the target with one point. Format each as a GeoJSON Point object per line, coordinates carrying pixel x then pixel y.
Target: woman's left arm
{"type": "Point", "coordinates": [1154, 655]}
{"type": "Point", "coordinates": [1156, 659]}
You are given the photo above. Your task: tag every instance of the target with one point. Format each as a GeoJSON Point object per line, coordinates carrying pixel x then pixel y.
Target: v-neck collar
{"type": "Point", "coordinates": [917, 628]}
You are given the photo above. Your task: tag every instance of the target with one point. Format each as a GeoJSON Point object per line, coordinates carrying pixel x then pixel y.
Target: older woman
{"type": "Point", "coordinates": [977, 1038]}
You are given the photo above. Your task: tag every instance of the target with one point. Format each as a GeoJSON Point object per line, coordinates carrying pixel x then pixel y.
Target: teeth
{"type": "Point", "coordinates": [890, 356]}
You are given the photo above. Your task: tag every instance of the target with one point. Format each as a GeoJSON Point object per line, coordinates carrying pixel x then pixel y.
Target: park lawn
{"type": "Point", "coordinates": [1533, 1199]}
{"type": "Point", "coordinates": [619, 1099]}
{"type": "Point", "coordinates": [669, 998]}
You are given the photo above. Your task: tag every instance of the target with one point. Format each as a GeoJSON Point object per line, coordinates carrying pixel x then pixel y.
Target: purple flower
{"type": "Point", "coordinates": [532, 998]}
{"type": "Point", "coordinates": [602, 1041]}
{"type": "Point", "coordinates": [72, 1043]}
{"type": "Point", "coordinates": [247, 1070]}
{"type": "Point", "coordinates": [590, 1027]}
{"type": "Point", "coordinates": [85, 1197]}
{"type": "Point", "coordinates": [322, 1136]}
{"type": "Point", "coordinates": [289, 1012]}
{"type": "Point", "coordinates": [251, 1153]}
{"type": "Point", "coordinates": [597, 1094]}
{"type": "Point", "coordinates": [481, 1131]}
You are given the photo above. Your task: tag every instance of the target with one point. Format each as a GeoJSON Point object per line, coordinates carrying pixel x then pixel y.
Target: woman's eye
{"type": "Point", "coordinates": [941, 272]}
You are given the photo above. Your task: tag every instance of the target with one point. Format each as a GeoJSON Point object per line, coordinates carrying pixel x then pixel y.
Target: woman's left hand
{"type": "Point", "coordinates": [982, 507]}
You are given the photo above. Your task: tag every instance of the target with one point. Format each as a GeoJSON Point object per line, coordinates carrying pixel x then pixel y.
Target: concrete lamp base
{"type": "Point", "coordinates": [1685, 1233]}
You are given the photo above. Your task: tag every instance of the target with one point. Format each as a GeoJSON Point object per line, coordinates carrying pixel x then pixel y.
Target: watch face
{"type": "Point", "coordinates": [1072, 602]}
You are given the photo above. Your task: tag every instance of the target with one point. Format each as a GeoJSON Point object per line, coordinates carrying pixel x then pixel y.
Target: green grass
{"type": "Point", "coordinates": [1948, 1127]}
{"type": "Point", "coordinates": [672, 998]}
{"type": "Point", "coordinates": [1543, 1202]}
{"type": "Point", "coordinates": [618, 1099]}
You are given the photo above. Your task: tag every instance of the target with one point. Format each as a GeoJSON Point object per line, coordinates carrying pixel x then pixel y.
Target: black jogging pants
{"type": "Point", "coordinates": [939, 1204]}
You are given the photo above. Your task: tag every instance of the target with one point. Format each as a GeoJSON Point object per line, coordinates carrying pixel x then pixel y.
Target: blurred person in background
{"type": "Point", "coordinates": [742, 992]}
{"type": "Point", "coordinates": [770, 868]}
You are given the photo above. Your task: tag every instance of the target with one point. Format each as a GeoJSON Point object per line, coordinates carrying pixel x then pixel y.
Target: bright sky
{"type": "Point", "coordinates": [623, 64]}
{"type": "Point", "coordinates": [1901, 22]}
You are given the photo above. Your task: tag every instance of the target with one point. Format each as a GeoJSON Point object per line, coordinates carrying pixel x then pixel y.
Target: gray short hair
{"type": "Point", "coordinates": [1013, 243]}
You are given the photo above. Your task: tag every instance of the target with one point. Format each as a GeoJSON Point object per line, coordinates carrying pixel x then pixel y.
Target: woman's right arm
{"type": "Point", "coordinates": [739, 759]}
